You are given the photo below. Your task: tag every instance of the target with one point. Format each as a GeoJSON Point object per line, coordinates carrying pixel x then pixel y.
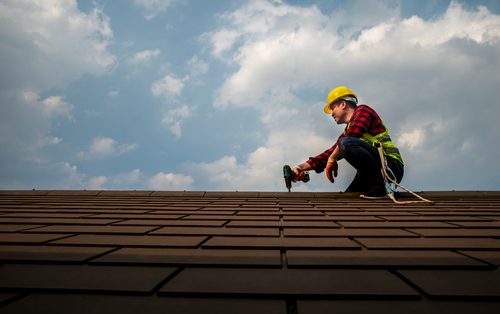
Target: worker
{"type": "Point", "coordinates": [356, 145]}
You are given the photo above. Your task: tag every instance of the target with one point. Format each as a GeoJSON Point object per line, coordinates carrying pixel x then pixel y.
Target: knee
{"type": "Point", "coordinates": [345, 143]}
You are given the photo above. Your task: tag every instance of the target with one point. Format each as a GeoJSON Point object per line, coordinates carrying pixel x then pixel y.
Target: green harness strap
{"type": "Point", "coordinates": [383, 138]}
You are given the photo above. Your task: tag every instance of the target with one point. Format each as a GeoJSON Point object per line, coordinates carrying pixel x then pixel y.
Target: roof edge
{"type": "Point", "coordinates": [244, 194]}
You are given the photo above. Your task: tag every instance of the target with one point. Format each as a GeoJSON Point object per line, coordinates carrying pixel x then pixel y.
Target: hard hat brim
{"type": "Point", "coordinates": [327, 109]}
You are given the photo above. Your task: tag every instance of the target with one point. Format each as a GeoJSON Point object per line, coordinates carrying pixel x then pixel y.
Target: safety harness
{"type": "Point", "coordinates": [385, 147]}
{"type": "Point", "coordinates": [384, 139]}
{"type": "Point", "coordinates": [388, 188]}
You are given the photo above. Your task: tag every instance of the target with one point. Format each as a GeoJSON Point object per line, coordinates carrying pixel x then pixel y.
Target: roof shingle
{"type": "Point", "coordinates": [247, 252]}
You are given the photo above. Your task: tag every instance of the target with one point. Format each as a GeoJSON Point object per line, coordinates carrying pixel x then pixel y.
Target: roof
{"type": "Point", "coordinates": [247, 252]}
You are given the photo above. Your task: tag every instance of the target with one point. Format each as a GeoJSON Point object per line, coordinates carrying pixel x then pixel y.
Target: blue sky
{"type": "Point", "coordinates": [219, 95]}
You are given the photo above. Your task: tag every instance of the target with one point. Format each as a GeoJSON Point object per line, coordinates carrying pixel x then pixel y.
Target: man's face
{"type": "Point", "coordinates": [338, 112]}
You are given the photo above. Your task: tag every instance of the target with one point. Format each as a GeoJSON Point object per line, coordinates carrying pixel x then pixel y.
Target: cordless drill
{"type": "Point", "coordinates": [290, 176]}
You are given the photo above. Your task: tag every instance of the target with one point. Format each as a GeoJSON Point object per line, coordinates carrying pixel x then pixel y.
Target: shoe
{"type": "Point", "coordinates": [375, 194]}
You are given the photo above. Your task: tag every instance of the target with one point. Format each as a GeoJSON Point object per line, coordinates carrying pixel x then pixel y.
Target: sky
{"type": "Point", "coordinates": [219, 95]}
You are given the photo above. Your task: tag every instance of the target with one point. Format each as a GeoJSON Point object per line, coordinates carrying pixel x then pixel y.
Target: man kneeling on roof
{"type": "Point", "coordinates": [356, 144]}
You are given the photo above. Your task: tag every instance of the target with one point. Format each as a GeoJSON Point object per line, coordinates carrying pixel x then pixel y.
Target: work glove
{"type": "Point", "coordinates": [331, 166]}
{"type": "Point", "coordinates": [298, 174]}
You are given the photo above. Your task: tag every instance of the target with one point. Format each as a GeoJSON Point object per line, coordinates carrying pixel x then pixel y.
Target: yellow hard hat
{"type": "Point", "coordinates": [335, 94]}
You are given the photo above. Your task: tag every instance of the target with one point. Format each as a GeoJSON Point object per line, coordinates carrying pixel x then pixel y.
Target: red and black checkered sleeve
{"type": "Point", "coordinates": [318, 163]}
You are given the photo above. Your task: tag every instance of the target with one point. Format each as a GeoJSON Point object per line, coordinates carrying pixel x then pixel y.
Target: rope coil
{"type": "Point", "coordinates": [391, 195]}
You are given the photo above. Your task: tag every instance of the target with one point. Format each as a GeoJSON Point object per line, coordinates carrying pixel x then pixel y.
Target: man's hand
{"type": "Point", "coordinates": [331, 166]}
{"type": "Point", "coordinates": [297, 171]}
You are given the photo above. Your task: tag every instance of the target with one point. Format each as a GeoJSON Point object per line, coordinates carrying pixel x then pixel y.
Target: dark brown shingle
{"type": "Point", "coordinates": [247, 252]}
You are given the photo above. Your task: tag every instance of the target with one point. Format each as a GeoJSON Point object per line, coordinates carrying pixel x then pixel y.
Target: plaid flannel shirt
{"type": "Point", "coordinates": [364, 120]}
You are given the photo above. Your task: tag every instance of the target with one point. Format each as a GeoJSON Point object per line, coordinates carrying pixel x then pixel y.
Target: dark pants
{"type": "Point", "coordinates": [366, 160]}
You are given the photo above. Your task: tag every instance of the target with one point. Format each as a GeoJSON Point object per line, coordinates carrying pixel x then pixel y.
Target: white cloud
{"type": "Point", "coordinates": [143, 56]}
{"type": "Point", "coordinates": [223, 40]}
{"type": "Point", "coordinates": [95, 183]}
{"type": "Point", "coordinates": [262, 170]}
{"type": "Point", "coordinates": [197, 67]}
{"type": "Point", "coordinates": [71, 178]}
{"type": "Point", "coordinates": [183, 112]}
{"type": "Point", "coordinates": [175, 117]}
{"type": "Point", "coordinates": [55, 105]}
{"type": "Point", "coordinates": [45, 141]}
{"type": "Point", "coordinates": [155, 6]}
{"type": "Point", "coordinates": [55, 176]}
{"type": "Point", "coordinates": [25, 124]}
{"type": "Point", "coordinates": [113, 93]}
{"type": "Point", "coordinates": [125, 148]}
{"type": "Point", "coordinates": [170, 181]}
{"type": "Point", "coordinates": [44, 45]}
{"type": "Point", "coordinates": [50, 106]}
{"type": "Point", "coordinates": [103, 147]}
{"type": "Point", "coordinates": [127, 44]}
{"type": "Point", "coordinates": [421, 76]}
{"type": "Point", "coordinates": [467, 146]}
{"type": "Point", "coordinates": [169, 87]}
{"type": "Point", "coordinates": [411, 140]}
{"type": "Point", "coordinates": [51, 140]}
{"type": "Point", "coordinates": [434, 83]}
{"type": "Point", "coordinates": [50, 42]}
{"type": "Point", "coordinates": [127, 178]}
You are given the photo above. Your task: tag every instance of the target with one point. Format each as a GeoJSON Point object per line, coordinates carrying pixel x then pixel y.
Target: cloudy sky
{"type": "Point", "coordinates": [219, 95]}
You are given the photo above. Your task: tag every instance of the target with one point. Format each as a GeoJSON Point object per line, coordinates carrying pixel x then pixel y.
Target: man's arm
{"type": "Point", "coordinates": [335, 154]}
{"type": "Point", "coordinates": [319, 162]}
{"type": "Point", "coordinates": [331, 165]}
{"type": "Point", "coordinates": [306, 166]}
{"type": "Point", "coordinates": [302, 167]}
